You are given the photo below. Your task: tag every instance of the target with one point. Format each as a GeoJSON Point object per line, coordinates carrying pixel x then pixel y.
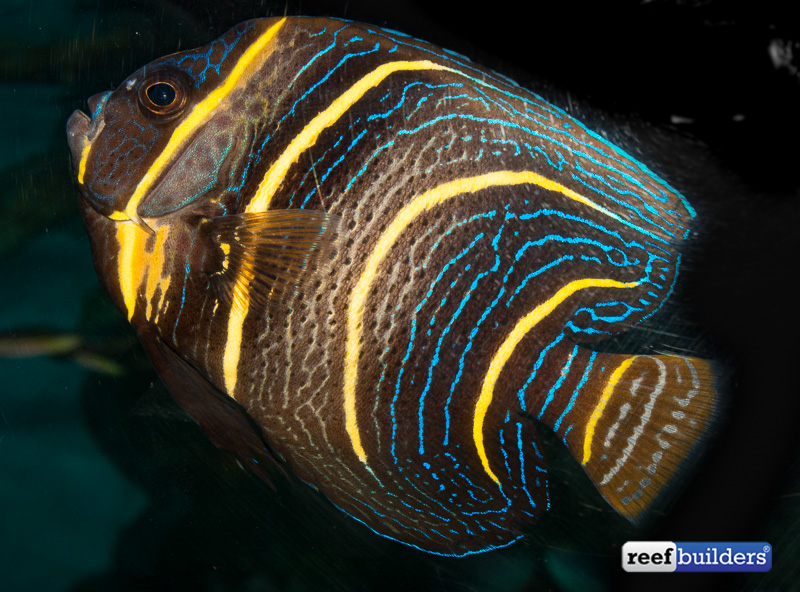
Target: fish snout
{"type": "Point", "coordinates": [83, 129]}
{"type": "Point", "coordinates": [78, 126]}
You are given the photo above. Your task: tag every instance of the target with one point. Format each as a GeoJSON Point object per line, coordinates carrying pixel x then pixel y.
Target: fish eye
{"type": "Point", "coordinates": [163, 95]}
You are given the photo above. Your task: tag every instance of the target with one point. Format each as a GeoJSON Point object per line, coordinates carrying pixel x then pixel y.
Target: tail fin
{"type": "Point", "coordinates": [635, 421]}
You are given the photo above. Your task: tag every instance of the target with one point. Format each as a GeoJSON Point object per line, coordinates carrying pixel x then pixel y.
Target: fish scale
{"type": "Point", "coordinates": [383, 264]}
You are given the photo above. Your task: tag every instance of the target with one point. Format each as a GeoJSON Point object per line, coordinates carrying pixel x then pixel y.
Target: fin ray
{"type": "Point", "coordinates": [269, 251]}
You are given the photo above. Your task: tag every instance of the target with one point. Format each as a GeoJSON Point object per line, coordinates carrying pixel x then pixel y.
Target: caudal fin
{"type": "Point", "coordinates": [635, 421]}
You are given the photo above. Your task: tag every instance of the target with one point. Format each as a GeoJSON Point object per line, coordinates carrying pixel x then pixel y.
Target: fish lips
{"type": "Point", "coordinates": [82, 130]}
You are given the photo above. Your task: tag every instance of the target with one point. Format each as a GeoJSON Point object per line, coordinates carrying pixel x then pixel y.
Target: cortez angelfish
{"type": "Point", "coordinates": [392, 260]}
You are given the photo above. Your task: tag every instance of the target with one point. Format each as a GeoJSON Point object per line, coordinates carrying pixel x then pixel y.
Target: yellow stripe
{"type": "Point", "coordinates": [131, 262]}
{"type": "Point", "coordinates": [201, 113]}
{"type": "Point", "coordinates": [358, 299]}
{"type": "Point", "coordinates": [155, 270]}
{"type": "Point", "coordinates": [601, 405]}
{"type": "Point", "coordinates": [274, 177]}
{"type": "Point", "coordinates": [519, 331]}
{"type": "Point", "coordinates": [84, 157]}
{"type": "Point", "coordinates": [87, 148]}
{"type": "Point", "coordinates": [240, 303]}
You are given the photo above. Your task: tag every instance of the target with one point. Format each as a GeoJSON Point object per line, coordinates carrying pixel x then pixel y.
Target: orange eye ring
{"type": "Point", "coordinates": [164, 94]}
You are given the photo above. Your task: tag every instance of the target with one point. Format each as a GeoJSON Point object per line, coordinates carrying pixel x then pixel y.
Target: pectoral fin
{"type": "Point", "coordinates": [266, 255]}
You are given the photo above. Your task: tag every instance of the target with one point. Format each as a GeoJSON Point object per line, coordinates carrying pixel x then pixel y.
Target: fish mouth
{"type": "Point", "coordinates": [78, 126]}
{"type": "Point", "coordinates": [82, 130]}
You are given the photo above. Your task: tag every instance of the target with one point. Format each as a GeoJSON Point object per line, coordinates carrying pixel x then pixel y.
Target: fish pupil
{"type": "Point", "coordinates": [161, 94]}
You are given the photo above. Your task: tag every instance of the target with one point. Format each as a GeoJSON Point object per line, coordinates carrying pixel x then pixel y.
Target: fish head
{"type": "Point", "coordinates": [165, 164]}
{"type": "Point", "coordinates": [114, 150]}
{"type": "Point", "coordinates": [173, 135]}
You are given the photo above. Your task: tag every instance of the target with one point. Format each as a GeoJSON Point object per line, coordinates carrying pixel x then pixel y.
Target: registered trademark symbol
{"type": "Point", "coordinates": [766, 548]}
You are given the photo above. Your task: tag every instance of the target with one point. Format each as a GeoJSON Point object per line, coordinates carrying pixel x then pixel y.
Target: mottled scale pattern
{"type": "Point", "coordinates": [475, 237]}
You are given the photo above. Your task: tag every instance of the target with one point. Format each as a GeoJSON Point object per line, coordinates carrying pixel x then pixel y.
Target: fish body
{"type": "Point", "coordinates": [384, 265]}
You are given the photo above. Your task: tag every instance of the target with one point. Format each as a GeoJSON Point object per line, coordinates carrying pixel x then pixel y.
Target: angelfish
{"type": "Point", "coordinates": [385, 265]}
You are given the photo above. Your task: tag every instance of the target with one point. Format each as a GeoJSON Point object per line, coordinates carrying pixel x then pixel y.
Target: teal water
{"type": "Point", "coordinates": [105, 485]}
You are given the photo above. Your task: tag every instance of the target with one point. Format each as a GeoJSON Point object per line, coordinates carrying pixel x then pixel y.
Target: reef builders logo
{"type": "Point", "coordinates": [641, 556]}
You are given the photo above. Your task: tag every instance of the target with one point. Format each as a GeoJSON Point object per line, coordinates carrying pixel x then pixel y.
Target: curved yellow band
{"type": "Point", "coordinates": [601, 405]}
{"type": "Point", "coordinates": [525, 324]}
{"type": "Point", "coordinates": [199, 115]}
{"type": "Point", "coordinates": [275, 175]}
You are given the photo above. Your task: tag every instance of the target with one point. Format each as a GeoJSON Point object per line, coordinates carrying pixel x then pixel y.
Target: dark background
{"type": "Point", "coordinates": [104, 485]}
